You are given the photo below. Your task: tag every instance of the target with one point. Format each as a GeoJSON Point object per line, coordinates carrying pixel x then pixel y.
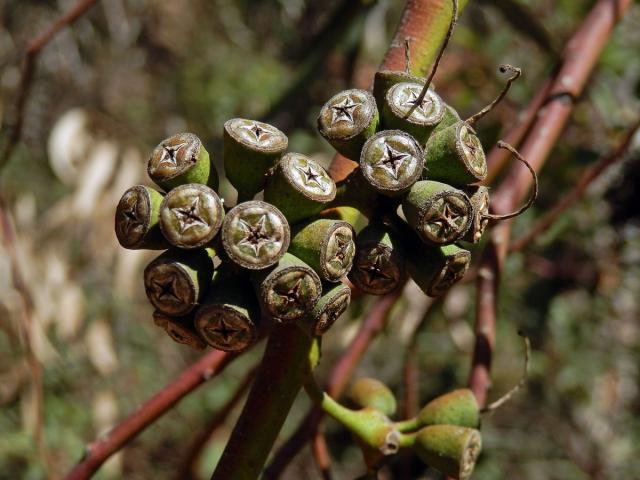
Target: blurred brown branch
{"type": "Point", "coordinates": [102, 448]}
{"type": "Point", "coordinates": [593, 172]}
{"type": "Point", "coordinates": [579, 59]}
{"type": "Point", "coordinates": [28, 70]}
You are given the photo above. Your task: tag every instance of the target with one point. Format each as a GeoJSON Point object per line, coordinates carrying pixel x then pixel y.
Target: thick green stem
{"type": "Point", "coordinates": [290, 354]}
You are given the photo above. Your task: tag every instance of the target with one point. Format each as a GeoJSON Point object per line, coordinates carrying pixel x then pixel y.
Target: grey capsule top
{"type": "Point", "coordinates": [256, 135]}
{"type": "Point", "coordinates": [391, 161]}
{"type": "Point", "coordinates": [309, 177]}
{"type": "Point", "coordinates": [173, 156]}
{"type": "Point", "coordinates": [403, 101]}
{"type": "Point", "coordinates": [346, 114]}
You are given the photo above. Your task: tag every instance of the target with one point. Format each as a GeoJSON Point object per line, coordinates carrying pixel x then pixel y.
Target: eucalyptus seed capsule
{"type": "Point", "coordinates": [289, 290]}
{"type": "Point", "coordinates": [391, 161]}
{"type": "Point", "coordinates": [402, 111]}
{"type": "Point", "coordinates": [255, 235]}
{"type": "Point", "coordinates": [325, 245]}
{"type": "Point", "coordinates": [229, 317]}
{"type": "Point", "coordinates": [181, 159]}
{"type": "Point", "coordinates": [176, 281]}
{"type": "Point", "coordinates": [455, 155]}
{"type": "Point", "coordinates": [450, 449]}
{"type": "Point", "coordinates": [435, 270]}
{"type": "Point", "coordinates": [479, 197]}
{"type": "Point", "coordinates": [180, 329]}
{"type": "Point", "coordinates": [250, 149]}
{"type": "Point", "coordinates": [385, 79]}
{"type": "Point", "coordinates": [439, 213]}
{"type": "Point", "coordinates": [458, 407]}
{"type": "Point", "coordinates": [191, 215]}
{"type": "Point", "coordinates": [372, 393]}
{"type": "Point", "coordinates": [347, 120]}
{"type": "Point", "coordinates": [299, 187]}
{"type": "Point", "coordinates": [332, 304]}
{"type": "Point", "coordinates": [379, 266]}
{"type": "Point", "coordinates": [137, 219]}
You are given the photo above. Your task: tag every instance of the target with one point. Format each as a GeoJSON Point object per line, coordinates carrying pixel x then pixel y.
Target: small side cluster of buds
{"type": "Point", "coordinates": [227, 273]}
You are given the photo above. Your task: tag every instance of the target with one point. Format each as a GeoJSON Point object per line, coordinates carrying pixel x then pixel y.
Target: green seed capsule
{"type": "Point", "coordinates": [180, 330]}
{"type": "Point", "coordinates": [191, 215]}
{"type": "Point", "coordinates": [255, 235]}
{"type": "Point", "coordinates": [176, 281]}
{"type": "Point", "coordinates": [181, 159]}
{"type": "Point", "coordinates": [450, 449]}
{"type": "Point", "coordinates": [347, 120]}
{"type": "Point", "coordinates": [334, 302]}
{"type": "Point", "coordinates": [229, 317]}
{"type": "Point", "coordinates": [250, 149]}
{"type": "Point", "coordinates": [401, 110]}
{"type": "Point", "coordinates": [137, 219]}
{"type": "Point", "coordinates": [288, 290]}
{"type": "Point", "coordinates": [325, 245]}
{"type": "Point", "coordinates": [391, 161]}
{"type": "Point", "coordinates": [385, 79]}
{"type": "Point", "coordinates": [450, 117]}
{"type": "Point", "coordinates": [299, 187]}
{"type": "Point", "coordinates": [372, 393]}
{"type": "Point", "coordinates": [435, 270]}
{"type": "Point", "coordinates": [479, 197]}
{"type": "Point", "coordinates": [379, 266]}
{"type": "Point", "coordinates": [455, 155]}
{"type": "Point", "coordinates": [458, 407]}
{"type": "Point", "coordinates": [439, 213]}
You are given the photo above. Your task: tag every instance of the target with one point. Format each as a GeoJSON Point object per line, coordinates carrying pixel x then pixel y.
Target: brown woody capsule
{"type": "Point", "coordinates": [180, 330]}
{"type": "Point", "coordinates": [391, 161]}
{"type": "Point", "coordinates": [334, 302]}
{"type": "Point", "coordinates": [137, 219]}
{"type": "Point", "coordinates": [177, 280]}
{"type": "Point", "coordinates": [299, 187]}
{"type": "Point", "coordinates": [347, 120]}
{"type": "Point", "coordinates": [379, 266]}
{"type": "Point", "coordinates": [255, 235]}
{"type": "Point", "coordinates": [181, 159]}
{"type": "Point", "coordinates": [288, 290]}
{"type": "Point", "coordinates": [402, 111]}
{"type": "Point", "coordinates": [439, 213]}
{"type": "Point", "coordinates": [435, 270]}
{"type": "Point", "coordinates": [191, 215]}
{"type": "Point", "coordinates": [229, 317]}
{"type": "Point", "coordinates": [325, 245]}
{"type": "Point", "coordinates": [479, 197]}
{"type": "Point", "coordinates": [251, 148]}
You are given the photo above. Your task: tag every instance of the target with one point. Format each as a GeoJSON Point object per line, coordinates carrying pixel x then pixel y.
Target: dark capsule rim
{"type": "Point", "coordinates": [122, 239]}
{"type": "Point", "coordinates": [359, 126]}
{"type": "Point", "coordinates": [431, 288]}
{"type": "Point", "coordinates": [245, 320]}
{"type": "Point", "coordinates": [321, 330]}
{"type": "Point", "coordinates": [461, 151]}
{"type": "Point", "coordinates": [184, 274]}
{"type": "Point", "coordinates": [268, 284]}
{"type": "Point", "coordinates": [323, 250]}
{"type": "Point", "coordinates": [422, 211]}
{"type": "Point", "coordinates": [180, 169]}
{"type": "Point", "coordinates": [394, 253]}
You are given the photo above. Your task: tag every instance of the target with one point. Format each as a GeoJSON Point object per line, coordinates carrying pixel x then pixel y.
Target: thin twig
{"type": "Point", "coordinates": [443, 47]}
{"type": "Point", "coordinates": [534, 190]}
{"type": "Point", "coordinates": [407, 55]}
{"type": "Point", "coordinates": [320, 453]}
{"type": "Point", "coordinates": [97, 452]}
{"type": "Point", "coordinates": [200, 441]}
{"type": "Point", "coordinates": [28, 70]}
{"type": "Point", "coordinates": [372, 325]}
{"type": "Point", "coordinates": [580, 57]}
{"type": "Point", "coordinates": [593, 172]}
{"type": "Point", "coordinates": [515, 74]}
{"type": "Point", "coordinates": [516, 388]}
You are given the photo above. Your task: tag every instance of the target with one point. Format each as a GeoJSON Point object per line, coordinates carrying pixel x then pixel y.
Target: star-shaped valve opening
{"type": "Point", "coordinates": [411, 101]}
{"type": "Point", "coordinates": [453, 270]}
{"type": "Point", "coordinates": [472, 149]}
{"type": "Point", "coordinates": [391, 161]}
{"type": "Point", "coordinates": [259, 134]}
{"type": "Point", "coordinates": [343, 111]}
{"type": "Point", "coordinates": [165, 289]}
{"type": "Point", "coordinates": [190, 215]}
{"type": "Point", "coordinates": [224, 331]}
{"type": "Point", "coordinates": [375, 270]}
{"type": "Point", "coordinates": [255, 234]}
{"type": "Point", "coordinates": [169, 156]}
{"type": "Point", "coordinates": [290, 296]}
{"type": "Point", "coordinates": [311, 177]}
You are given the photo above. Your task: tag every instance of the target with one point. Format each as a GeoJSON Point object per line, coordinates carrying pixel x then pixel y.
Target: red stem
{"type": "Point", "coordinates": [102, 448]}
{"type": "Point", "coordinates": [579, 59]}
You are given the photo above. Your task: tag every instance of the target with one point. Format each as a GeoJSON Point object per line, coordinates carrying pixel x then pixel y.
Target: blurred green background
{"type": "Point", "coordinates": [132, 72]}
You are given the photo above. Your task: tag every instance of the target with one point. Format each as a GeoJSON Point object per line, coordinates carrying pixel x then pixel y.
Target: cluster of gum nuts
{"type": "Point", "coordinates": [228, 274]}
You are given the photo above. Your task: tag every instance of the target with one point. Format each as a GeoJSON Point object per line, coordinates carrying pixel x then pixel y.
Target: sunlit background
{"type": "Point", "coordinates": [78, 347]}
